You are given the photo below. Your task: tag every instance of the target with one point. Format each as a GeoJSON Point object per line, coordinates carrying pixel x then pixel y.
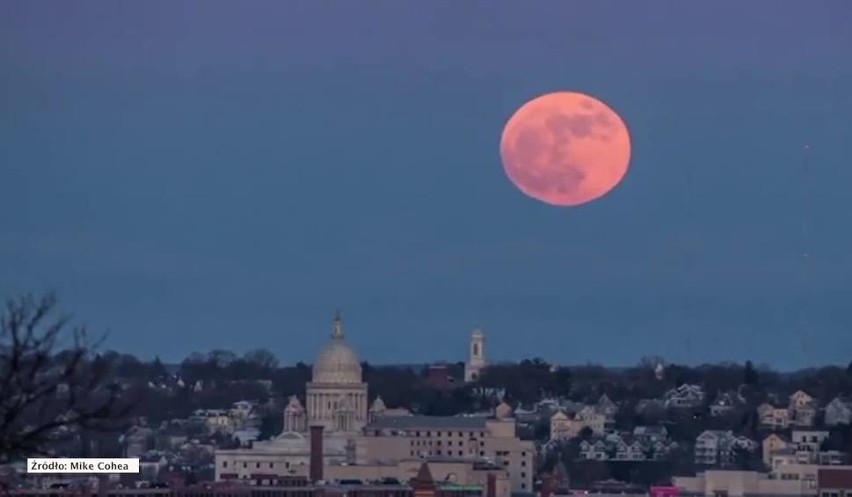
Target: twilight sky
{"type": "Point", "coordinates": [211, 174]}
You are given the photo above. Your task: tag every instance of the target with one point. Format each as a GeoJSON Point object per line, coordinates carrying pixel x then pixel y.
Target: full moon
{"type": "Point", "coordinates": [565, 148]}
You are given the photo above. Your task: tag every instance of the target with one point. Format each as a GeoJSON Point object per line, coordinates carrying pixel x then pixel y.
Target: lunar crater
{"type": "Point", "coordinates": [565, 148]}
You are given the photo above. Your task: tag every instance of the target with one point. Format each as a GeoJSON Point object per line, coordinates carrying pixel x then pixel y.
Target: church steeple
{"type": "Point", "coordinates": [337, 332]}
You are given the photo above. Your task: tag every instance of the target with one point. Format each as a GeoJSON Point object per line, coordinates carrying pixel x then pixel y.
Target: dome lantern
{"type": "Point", "coordinates": [337, 363]}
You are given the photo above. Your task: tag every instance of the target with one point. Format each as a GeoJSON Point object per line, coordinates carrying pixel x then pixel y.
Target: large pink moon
{"type": "Point", "coordinates": [565, 148]}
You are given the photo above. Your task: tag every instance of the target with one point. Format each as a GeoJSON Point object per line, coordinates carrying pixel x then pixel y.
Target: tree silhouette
{"type": "Point", "coordinates": [750, 376]}
{"type": "Point", "coordinates": [262, 358]}
{"type": "Point", "coordinates": [50, 386]}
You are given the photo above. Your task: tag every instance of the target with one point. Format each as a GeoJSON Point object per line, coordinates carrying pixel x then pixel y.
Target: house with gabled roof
{"type": "Point", "coordinates": [685, 397]}
{"type": "Point", "coordinates": [773, 417]}
{"type": "Point", "coordinates": [838, 411]}
{"type": "Point", "coordinates": [802, 409]}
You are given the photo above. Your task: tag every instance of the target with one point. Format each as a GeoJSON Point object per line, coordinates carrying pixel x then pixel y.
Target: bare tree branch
{"type": "Point", "coordinates": [50, 388]}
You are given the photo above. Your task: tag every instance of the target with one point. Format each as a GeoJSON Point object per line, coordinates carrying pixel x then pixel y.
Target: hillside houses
{"type": "Point", "coordinates": [625, 447]}
{"type": "Point", "coordinates": [772, 445]}
{"type": "Point", "coordinates": [838, 411]}
{"type": "Point", "coordinates": [800, 411]}
{"type": "Point", "coordinates": [803, 409]}
{"type": "Point", "coordinates": [720, 448]}
{"type": "Point", "coordinates": [607, 408]}
{"type": "Point", "coordinates": [802, 447]}
{"type": "Point", "coordinates": [773, 417]}
{"type": "Point", "coordinates": [684, 397]}
{"type": "Point", "coordinates": [651, 434]}
{"type": "Point", "coordinates": [566, 424]}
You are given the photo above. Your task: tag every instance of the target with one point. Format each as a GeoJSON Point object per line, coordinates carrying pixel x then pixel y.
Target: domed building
{"type": "Point", "coordinates": [337, 396]}
{"type": "Point", "coordinates": [336, 399]}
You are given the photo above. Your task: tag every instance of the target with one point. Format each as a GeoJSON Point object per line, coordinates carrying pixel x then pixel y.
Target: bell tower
{"type": "Point", "coordinates": [476, 358]}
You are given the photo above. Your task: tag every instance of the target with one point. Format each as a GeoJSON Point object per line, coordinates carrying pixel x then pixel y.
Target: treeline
{"type": "Point", "coordinates": [224, 377]}
{"type": "Point", "coordinates": [530, 380]}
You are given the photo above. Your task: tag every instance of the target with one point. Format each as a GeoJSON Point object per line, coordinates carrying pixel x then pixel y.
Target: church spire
{"type": "Point", "coordinates": [337, 332]}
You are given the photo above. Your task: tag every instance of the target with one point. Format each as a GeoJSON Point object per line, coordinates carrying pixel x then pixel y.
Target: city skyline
{"type": "Point", "coordinates": [189, 178]}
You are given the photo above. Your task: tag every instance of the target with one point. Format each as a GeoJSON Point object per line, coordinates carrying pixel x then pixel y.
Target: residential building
{"type": "Point", "coordinates": [719, 448]}
{"type": "Point", "coordinates": [607, 408]}
{"type": "Point", "coordinates": [596, 450]}
{"type": "Point", "coordinates": [685, 397]}
{"type": "Point", "coordinates": [804, 473]}
{"type": "Point", "coordinates": [651, 434]}
{"type": "Point", "coordinates": [216, 420]}
{"type": "Point", "coordinates": [802, 409]}
{"type": "Point", "coordinates": [772, 444]}
{"type": "Point", "coordinates": [630, 451]}
{"type": "Point", "coordinates": [838, 411]}
{"type": "Point", "coordinates": [789, 456]}
{"type": "Point", "coordinates": [562, 427]}
{"type": "Point", "coordinates": [592, 418]}
{"type": "Point", "coordinates": [625, 447]}
{"type": "Point", "coordinates": [773, 417]}
{"type": "Point", "coordinates": [809, 440]}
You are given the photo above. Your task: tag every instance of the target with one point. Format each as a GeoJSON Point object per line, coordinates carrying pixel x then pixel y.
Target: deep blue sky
{"type": "Point", "coordinates": [198, 175]}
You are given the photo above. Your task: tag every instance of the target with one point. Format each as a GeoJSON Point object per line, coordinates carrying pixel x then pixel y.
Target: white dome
{"type": "Point", "coordinates": [378, 405]}
{"type": "Point", "coordinates": [337, 363]}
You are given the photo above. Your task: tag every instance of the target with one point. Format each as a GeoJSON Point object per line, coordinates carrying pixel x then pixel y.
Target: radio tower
{"type": "Point", "coordinates": [806, 255]}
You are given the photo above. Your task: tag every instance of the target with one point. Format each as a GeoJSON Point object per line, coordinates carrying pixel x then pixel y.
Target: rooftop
{"type": "Point", "coordinates": [426, 422]}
